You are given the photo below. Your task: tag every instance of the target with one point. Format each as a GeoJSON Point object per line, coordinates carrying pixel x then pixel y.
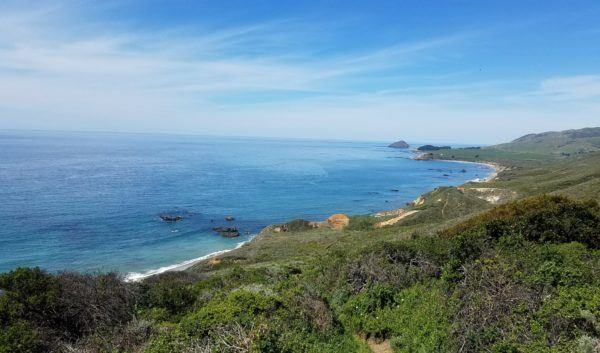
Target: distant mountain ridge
{"type": "Point", "coordinates": [556, 142]}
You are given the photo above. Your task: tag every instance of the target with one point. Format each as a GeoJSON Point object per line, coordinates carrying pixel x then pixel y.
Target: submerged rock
{"type": "Point", "coordinates": [170, 218]}
{"type": "Point", "coordinates": [228, 232]}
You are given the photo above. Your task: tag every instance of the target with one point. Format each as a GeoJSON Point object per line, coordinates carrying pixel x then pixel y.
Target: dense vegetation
{"type": "Point", "coordinates": [521, 276]}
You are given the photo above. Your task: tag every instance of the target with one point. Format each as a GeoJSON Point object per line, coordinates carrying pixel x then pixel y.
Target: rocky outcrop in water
{"type": "Point", "coordinates": [399, 144]}
{"type": "Point", "coordinates": [228, 232]}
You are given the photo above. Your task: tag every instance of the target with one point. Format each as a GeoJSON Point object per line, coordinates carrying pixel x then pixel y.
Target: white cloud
{"type": "Point", "coordinates": [572, 87]}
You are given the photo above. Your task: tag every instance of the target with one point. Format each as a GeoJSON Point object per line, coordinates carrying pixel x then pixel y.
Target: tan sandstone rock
{"type": "Point", "coordinates": [418, 201]}
{"type": "Point", "coordinates": [338, 221]}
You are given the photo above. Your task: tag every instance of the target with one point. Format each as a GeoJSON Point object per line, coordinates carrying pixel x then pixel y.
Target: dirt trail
{"type": "Point", "coordinates": [380, 347]}
{"type": "Point", "coordinates": [395, 220]}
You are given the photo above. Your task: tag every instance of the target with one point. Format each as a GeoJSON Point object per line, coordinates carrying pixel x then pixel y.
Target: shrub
{"type": "Point", "coordinates": [240, 306]}
{"type": "Point", "coordinates": [395, 264]}
{"type": "Point", "coordinates": [93, 303]}
{"type": "Point", "coordinates": [29, 294]}
{"type": "Point", "coordinates": [573, 311]}
{"type": "Point", "coordinates": [492, 304]}
{"type": "Point", "coordinates": [298, 225]}
{"type": "Point", "coordinates": [544, 218]}
{"type": "Point", "coordinates": [66, 307]}
{"type": "Point", "coordinates": [562, 265]}
{"type": "Point", "coordinates": [361, 312]}
{"type": "Point", "coordinates": [421, 320]}
{"type": "Point", "coordinates": [361, 222]}
{"type": "Point", "coordinates": [172, 294]}
{"type": "Point", "coordinates": [21, 337]}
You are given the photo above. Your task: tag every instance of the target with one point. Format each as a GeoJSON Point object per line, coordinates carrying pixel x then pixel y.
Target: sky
{"type": "Point", "coordinates": [425, 70]}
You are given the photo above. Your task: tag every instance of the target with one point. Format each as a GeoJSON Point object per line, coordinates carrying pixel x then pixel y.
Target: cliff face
{"type": "Point", "coordinates": [399, 144]}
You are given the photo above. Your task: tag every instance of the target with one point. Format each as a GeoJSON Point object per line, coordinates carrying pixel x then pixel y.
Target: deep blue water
{"type": "Point", "coordinates": [91, 202]}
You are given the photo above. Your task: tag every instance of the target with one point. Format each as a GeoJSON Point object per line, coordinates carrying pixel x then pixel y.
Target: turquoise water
{"type": "Point", "coordinates": [91, 202]}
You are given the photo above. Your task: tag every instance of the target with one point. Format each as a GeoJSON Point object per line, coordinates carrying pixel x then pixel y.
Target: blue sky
{"type": "Point", "coordinates": [453, 71]}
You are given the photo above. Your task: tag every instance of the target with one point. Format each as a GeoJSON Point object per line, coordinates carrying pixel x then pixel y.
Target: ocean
{"type": "Point", "coordinates": [92, 201]}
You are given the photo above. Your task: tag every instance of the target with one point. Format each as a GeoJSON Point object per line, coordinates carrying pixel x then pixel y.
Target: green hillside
{"type": "Point", "coordinates": [509, 265]}
{"type": "Point", "coordinates": [556, 142]}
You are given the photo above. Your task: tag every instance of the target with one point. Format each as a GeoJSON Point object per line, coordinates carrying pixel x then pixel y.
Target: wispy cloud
{"type": "Point", "coordinates": [40, 51]}
{"type": "Point", "coordinates": [61, 68]}
{"type": "Point", "coordinates": [572, 87]}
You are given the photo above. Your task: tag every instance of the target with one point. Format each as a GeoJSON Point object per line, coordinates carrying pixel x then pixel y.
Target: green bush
{"type": "Point", "coordinates": [572, 312]}
{"type": "Point", "coordinates": [421, 320]}
{"type": "Point", "coordinates": [362, 222]}
{"type": "Point", "coordinates": [65, 307]}
{"type": "Point", "coordinates": [171, 294]}
{"type": "Point", "coordinates": [31, 295]}
{"type": "Point", "coordinates": [168, 340]}
{"type": "Point", "coordinates": [396, 264]}
{"type": "Point", "coordinates": [555, 219]}
{"type": "Point", "coordinates": [20, 337]}
{"type": "Point", "coordinates": [240, 306]}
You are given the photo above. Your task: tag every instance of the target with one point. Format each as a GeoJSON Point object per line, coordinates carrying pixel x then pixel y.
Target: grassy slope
{"type": "Point", "coordinates": [486, 288]}
{"type": "Point", "coordinates": [556, 142]}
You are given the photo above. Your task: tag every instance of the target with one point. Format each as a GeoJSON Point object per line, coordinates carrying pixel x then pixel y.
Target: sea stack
{"type": "Point", "coordinates": [399, 144]}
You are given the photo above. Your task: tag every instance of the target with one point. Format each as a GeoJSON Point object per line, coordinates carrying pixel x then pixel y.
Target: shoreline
{"type": "Point", "coordinates": [496, 167]}
{"type": "Point", "coordinates": [182, 266]}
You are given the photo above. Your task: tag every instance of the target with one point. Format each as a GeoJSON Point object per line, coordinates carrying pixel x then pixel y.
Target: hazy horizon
{"type": "Point", "coordinates": [455, 72]}
{"type": "Point", "coordinates": [413, 143]}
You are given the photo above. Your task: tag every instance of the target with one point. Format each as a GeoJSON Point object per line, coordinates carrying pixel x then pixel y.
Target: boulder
{"type": "Point", "coordinates": [399, 144]}
{"type": "Point", "coordinates": [338, 221]}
